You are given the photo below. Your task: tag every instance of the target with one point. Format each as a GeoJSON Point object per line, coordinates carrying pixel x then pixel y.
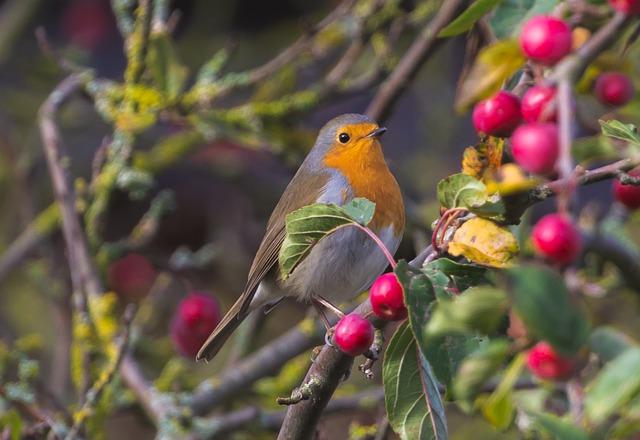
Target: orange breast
{"type": "Point", "coordinates": [365, 169]}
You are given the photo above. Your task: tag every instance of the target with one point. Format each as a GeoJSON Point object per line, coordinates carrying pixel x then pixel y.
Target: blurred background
{"type": "Point", "coordinates": [214, 201]}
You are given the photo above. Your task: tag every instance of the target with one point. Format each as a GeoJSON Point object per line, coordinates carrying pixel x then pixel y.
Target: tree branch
{"type": "Point", "coordinates": [264, 362]}
{"type": "Point", "coordinates": [426, 42]}
{"type": "Point", "coordinates": [106, 377]}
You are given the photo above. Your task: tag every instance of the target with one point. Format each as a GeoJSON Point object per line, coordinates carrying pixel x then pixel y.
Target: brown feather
{"type": "Point", "coordinates": [304, 189]}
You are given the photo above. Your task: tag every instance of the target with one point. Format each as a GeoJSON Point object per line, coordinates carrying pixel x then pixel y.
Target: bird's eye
{"type": "Point", "coordinates": [343, 138]}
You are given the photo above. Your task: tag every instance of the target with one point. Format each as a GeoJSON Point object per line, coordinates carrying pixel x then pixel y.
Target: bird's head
{"type": "Point", "coordinates": [351, 136]}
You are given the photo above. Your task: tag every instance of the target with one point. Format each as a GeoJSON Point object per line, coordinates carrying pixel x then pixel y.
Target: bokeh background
{"type": "Point", "coordinates": [222, 191]}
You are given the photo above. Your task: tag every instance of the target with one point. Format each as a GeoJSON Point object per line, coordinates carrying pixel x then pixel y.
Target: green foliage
{"type": "Point", "coordinates": [478, 309]}
{"type": "Point", "coordinates": [168, 74]}
{"type": "Point", "coordinates": [559, 428]}
{"type": "Point", "coordinates": [618, 130]}
{"type": "Point", "coordinates": [467, 19]}
{"type": "Point", "coordinates": [608, 343]}
{"type": "Point", "coordinates": [613, 387]}
{"type": "Point", "coordinates": [510, 15]}
{"type": "Point", "coordinates": [544, 304]}
{"type": "Point", "coordinates": [463, 191]}
{"type": "Point", "coordinates": [306, 226]}
{"type": "Point", "coordinates": [412, 399]}
{"type": "Point", "coordinates": [498, 409]}
{"type": "Point", "coordinates": [478, 367]}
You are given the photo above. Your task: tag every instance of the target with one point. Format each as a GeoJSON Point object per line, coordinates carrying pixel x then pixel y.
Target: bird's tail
{"type": "Point", "coordinates": [234, 317]}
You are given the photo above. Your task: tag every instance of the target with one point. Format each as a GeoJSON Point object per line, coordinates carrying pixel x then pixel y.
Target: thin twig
{"type": "Point", "coordinates": [565, 162]}
{"type": "Point", "coordinates": [95, 392]}
{"type": "Point", "coordinates": [412, 60]}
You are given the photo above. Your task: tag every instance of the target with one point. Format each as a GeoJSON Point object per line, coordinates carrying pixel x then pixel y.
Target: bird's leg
{"type": "Point", "coordinates": [318, 306]}
{"type": "Point", "coordinates": [327, 325]}
{"type": "Point", "coordinates": [329, 306]}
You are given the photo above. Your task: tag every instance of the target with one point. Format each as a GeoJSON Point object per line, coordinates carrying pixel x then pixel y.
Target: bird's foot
{"type": "Point", "coordinates": [372, 354]}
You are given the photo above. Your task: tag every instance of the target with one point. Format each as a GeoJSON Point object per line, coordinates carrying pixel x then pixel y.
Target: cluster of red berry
{"type": "Point", "coordinates": [531, 125]}
{"type": "Point", "coordinates": [353, 333]}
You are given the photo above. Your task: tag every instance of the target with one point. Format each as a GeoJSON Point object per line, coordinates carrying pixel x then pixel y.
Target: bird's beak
{"type": "Point", "coordinates": [377, 132]}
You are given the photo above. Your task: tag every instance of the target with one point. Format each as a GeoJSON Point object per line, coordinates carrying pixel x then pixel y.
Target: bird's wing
{"type": "Point", "coordinates": [304, 189]}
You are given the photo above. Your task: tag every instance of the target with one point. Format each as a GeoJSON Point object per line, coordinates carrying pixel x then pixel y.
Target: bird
{"type": "Point", "coordinates": [346, 162]}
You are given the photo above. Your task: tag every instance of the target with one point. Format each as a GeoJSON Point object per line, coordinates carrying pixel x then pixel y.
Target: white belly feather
{"type": "Point", "coordinates": [340, 266]}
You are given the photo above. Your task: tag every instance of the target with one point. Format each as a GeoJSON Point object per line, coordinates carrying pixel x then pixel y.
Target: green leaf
{"type": "Point", "coordinates": [306, 226]}
{"type": "Point", "coordinates": [361, 210]}
{"type": "Point", "coordinates": [593, 148]}
{"type": "Point", "coordinates": [461, 191]}
{"type": "Point", "coordinates": [559, 428]}
{"type": "Point", "coordinates": [418, 296]}
{"type": "Point", "coordinates": [618, 130]}
{"type": "Point", "coordinates": [498, 408]}
{"type": "Point", "coordinates": [445, 354]}
{"type": "Point", "coordinates": [543, 302]}
{"type": "Point", "coordinates": [608, 343]}
{"type": "Point", "coordinates": [440, 282]}
{"type": "Point", "coordinates": [510, 15]}
{"type": "Point", "coordinates": [11, 420]}
{"type": "Point", "coordinates": [478, 309]}
{"type": "Point", "coordinates": [466, 20]}
{"type": "Point", "coordinates": [168, 74]}
{"type": "Point", "coordinates": [478, 367]}
{"type": "Point", "coordinates": [462, 275]}
{"type": "Point", "coordinates": [613, 387]}
{"type": "Point", "coordinates": [412, 400]}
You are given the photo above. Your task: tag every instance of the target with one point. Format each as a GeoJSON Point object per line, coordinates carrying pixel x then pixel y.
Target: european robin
{"type": "Point", "coordinates": [346, 162]}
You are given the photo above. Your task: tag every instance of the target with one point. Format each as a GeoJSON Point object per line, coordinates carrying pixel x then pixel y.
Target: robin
{"type": "Point", "coordinates": [346, 162]}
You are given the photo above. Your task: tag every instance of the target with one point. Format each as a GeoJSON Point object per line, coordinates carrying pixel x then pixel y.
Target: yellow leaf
{"type": "Point", "coordinates": [493, 66]}
{"type": "Point", "coordinates": [484, 242]}
{"type": "Point", "coordinates": [484, 158]}
{"type": "Point", "coordinates": [509, 179]}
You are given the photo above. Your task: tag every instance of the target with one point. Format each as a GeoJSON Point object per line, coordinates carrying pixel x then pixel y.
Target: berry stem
{"type": "Point", "coordinates": [565, 162]}
{"type": "Point", "coordinates": [379, 242]}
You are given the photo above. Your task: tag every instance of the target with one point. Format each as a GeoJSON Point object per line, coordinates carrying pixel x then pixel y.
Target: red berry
{"type": "Point", "coordinates": [545, 39]}
{"type": "Point", "coordinates": [557, 238]}
{"type": "Point", "coordinates": [628, 195]}
{"type": "Point", "coordinates": [544, 362]}
{"type": "Point", "coordinates": [197, 316]}
{"type": "Point", "coordinates": [627, 6]}
{"type": "Point", "coordinates": [87, 23]}
{"type": "Point", "coordinates": [387, 298]}
{"type": "Point", "coordinates": [614, 88]}
{"type": "Point", "coordinates": [131, 276]}
{"type": "Point", "coordinates": [534, 146]}
{"type": "Point", "coordinates": [498, 115]}
{"type": "Point", "coordinates": [538, 104]}
{"type": "Point", "coordinates": [353, 334]}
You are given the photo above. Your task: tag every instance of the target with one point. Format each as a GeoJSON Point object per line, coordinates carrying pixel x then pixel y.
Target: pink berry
{"type": "Point", "coordinates": [557, 238]}
{"type": "Point", "coordinates": [614, 88]}
{"type": "Point", "coordinates": [131, 276]}
{"type": "Point", "coordinates": [538, 104]}
{"type": "Point", "coordinates": [626, 6]}
{"type": "Point", "coordinates": [534, 146]}
{"type": "Point", "coordinates": [197, 316]}
{"type": "Point", "coordinates": [387, 298]}
{"type": "Point", "coordinates": [498, 115]}
{"type": "Point", "coordinates": [628, 195]}
{"type": "Point", "coordinates": [353, 334]}
{"type": "Point", "coordinates": [545, 39]}
{"type": "Point", "coordinates": [544, 362]}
